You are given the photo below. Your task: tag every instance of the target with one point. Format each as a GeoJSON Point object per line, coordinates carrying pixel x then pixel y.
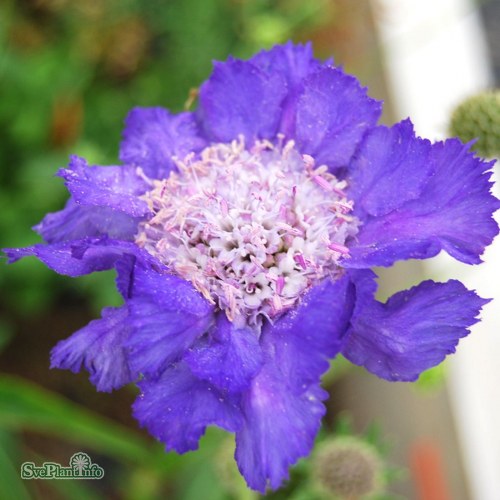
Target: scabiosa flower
{"type": "Point", "coordinates": [243, 235]}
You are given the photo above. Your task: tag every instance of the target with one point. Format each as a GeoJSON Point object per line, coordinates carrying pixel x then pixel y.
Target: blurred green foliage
{"type": "Point", "coordinates": [27, 407]}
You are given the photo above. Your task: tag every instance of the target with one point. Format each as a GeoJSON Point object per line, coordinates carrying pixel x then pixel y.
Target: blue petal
{"type": "Point", "coordinates": [99, 347]}
{"type": "Point", "coordinates": [333, 113]}
{"type": "Point", "coordinates": [167, 315]}
{"type": "Point", "coordinates": [293, 63]}
{"type": "Point", "coordinates": [79, 257]}
{"type": "Point", "coordinates": [241, 99]}
{"type": "Point", "coordinates": [76, 221]}
{"type": "Point", "coordinates": [279, 427]}
{"type": "Point", "coordinates": [407, 213]}
{"type": "Point", "coordinates": [305, 339]}
{"type": "Point", "coordinates": [413, 331]}
{"type": "Point", "coordinates": [177, 408]}
{"type": "Point", "coordinates": [118, 188]}
{"type": "Point", "coordinates": [153, 136]}
{"type": "Point", "coordinates": [229, 358]}
{"type": "Point", "coordinates": [389, 157]}
{"type": "Point", "coordinates": [283, 407]}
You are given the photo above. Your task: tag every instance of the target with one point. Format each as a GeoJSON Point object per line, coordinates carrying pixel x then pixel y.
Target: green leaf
{"type": "Point", "coordinates": [26, 406]}
{"type": "Point", "coordinates": [6, 334]}
{"type": "Point", "coordinates": [75, 489]}
{"type": "Point", "coordinates": [11, 484]}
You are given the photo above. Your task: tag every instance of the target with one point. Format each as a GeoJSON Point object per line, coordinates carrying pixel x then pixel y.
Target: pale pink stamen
{"type": "Point", "coordinates": [277, 303]}
{"type": "Point", "coordinates": [320, 181]}
{"type": "Point", "coordinates": [338, 248]}
{"type": "Point", "coordinates": [299, 258]}
{"type": "Point", "coordinates": [252, 228]}
{"type": "Point", "coordinates": [280, 283]}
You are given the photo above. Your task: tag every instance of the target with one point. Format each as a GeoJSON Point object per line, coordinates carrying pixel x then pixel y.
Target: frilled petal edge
{"type": "Point", "coordinates": [415, 199]}
{"type": "Point", "coordinates": [293, 61]}
{"type": "Point", "coordinates": [115, 187]}
{"type": "Point", "coordinates": [79, 257]}
{"type": "Point", "coordinates": [413, 331]}
{"type": "Point", "coordinates": [75, 221]}
{"type": "Point", "coordinates": [153, 137]}
{"type": "Point", "coordinates": [99, 347]}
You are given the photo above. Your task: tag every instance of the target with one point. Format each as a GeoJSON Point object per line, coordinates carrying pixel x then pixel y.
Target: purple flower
{"type": "Point", "coordinates": [243, 235]}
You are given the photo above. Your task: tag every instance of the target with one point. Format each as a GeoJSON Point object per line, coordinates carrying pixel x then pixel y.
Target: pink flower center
{"type": "Point", "coordinates": [252, 229]}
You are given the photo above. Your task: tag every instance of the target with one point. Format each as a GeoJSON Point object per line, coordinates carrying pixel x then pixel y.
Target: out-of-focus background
{"type": "Point", "coordinates": [69, 73]}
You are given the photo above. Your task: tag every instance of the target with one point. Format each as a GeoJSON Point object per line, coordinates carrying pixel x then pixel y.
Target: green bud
{"type": "Point", "coordinates": [479, 117]}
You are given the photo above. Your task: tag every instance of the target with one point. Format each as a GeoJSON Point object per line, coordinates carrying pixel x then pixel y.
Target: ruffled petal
{"type": "Point", "coordinates": [75, 222]}
{"type": "Point", "coordinates": [279, 427]}
{"type": "Point", "coordinates": [118, 188]}
{"type": "Point", "coordinates": [153, 137]}
{"type": "Point", "coordinates": [333, 112]}
{"type": "Point", "coordinates": [305, 339]}
{"type": "Point", "coordinates": [241, 99]}
{"type": "Point", "coordinates": [293, 61]}
{"type": "Point", "coordinates": [99, 347]}
{"type": "Point", "coordinates": [228, 358]}
{"type": "Point", "coordinates": [79, 257]}
{"type": "Point", "coordinates": [177, 408]}
{"type": "Point", "coordinates": [392, 168]}
{"type": "Point", "coordinates": [413, 331]}
{"type": "Point", "coordinates": [407, 212]}
{"type": "Point", "coordinates": [167, 315]}
{"type": "Point", "coordinates": [283, 408]}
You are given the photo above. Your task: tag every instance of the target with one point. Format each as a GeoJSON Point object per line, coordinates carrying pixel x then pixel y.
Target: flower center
{"type": "Point", "coordinates": [252, 229]}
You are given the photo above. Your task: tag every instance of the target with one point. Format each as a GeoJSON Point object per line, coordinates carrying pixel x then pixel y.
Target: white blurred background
{"type": "Point", "coordinates": [436, 53]}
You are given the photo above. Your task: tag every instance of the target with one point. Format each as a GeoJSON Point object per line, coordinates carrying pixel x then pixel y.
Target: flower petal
{"type": "Point", "coordinates": [153, 136]}
{"type": "Point", "coordinates": [305, 339]}
{"type": "Point", "coordinates": [279, 428]}
{"type": "Point", "coordinates": [99, 347]}
{"type": "Point", "coordinates": [118, 188]}
{"type": "Point", "coordinates": [413, 331]}
{"type": "Point", "coordinates": [167, 315]}
{"type": "Point", "coordinates": [392, 167]}
{"type": "Point", "coordinates": [76, 221]}
{"type": "Point", "coordinates": [333, 113]}
{"type": "Point", "coordinates": [229, 358]}
{"type": "Point", "coordinates": [293, 63]}
{"type": "Point", "coordinates": [240, 99]}
{"type": "Point", "coordinates": [451, 209]}
{"type": "Point", "coordinates": [176, 408]}
{"type": "Point", "coordinates": [79, 257]}
{"type": "Point", "coordinates": [283, 407]}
